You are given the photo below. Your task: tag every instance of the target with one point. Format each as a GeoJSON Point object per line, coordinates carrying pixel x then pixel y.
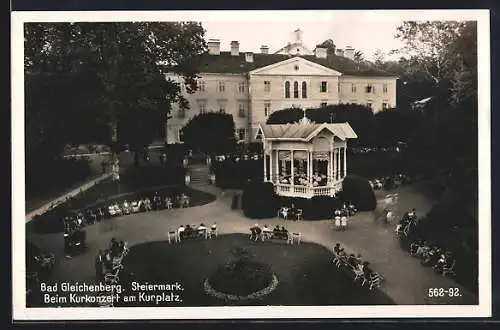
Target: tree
{"type": "Point", "coordinates": [329, 45]}
{"type": "Point", "coordinates": [212, 133]}
{"type": "Point", "coordinates": [426, 43]}
{"type": "Point", "coordinates": [379, 58]}
{"type": "Point", "coordinates": [126, 62]}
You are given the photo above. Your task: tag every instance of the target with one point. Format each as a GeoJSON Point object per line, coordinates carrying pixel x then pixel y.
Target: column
{"type": "Point", "coordinates": [330, 163]}
{"type": "Point", "coordinates": [291, 166]}
{"type": "Point", "coordinates": [309, 167]}
{"type": "Point", "coordinates": [337, 160]}
{"type": "Point", "coordinates": [277, 159]}
{"type": "Point", "coordinates": [265, 166]}
{"type": "Point", "coordinates": [345, 161]}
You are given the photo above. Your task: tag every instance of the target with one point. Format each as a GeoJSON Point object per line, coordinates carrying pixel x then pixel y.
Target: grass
{"type": "Point", "coordinates": [306, 273]}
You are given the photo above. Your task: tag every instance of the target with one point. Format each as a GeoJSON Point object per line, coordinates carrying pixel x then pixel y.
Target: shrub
{"type": "Point", "coordinates": [358, 191]}
{"type": "Point", "coordinates": [235, 175]}
{"type": "Point", "coordinates": [259, 200]}
{"type": "Point", "coordinates": [154, 176]}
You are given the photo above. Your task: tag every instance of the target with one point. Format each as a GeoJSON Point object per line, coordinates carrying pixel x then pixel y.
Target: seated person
{"type": "Point", "coordinates": [284, 232]}
{"type": "Point", "coordinates": [366, 269]}
{"type": "Point", "coordinates": [202, 227]}
{"type": "Point", "coordinates": [267, 231]}
{"type": "Point", "coordinates": [336, 248]}
{"type": "Point", "coordinates": [353, 262]}
{"type": "Point", "coordinates": [168, 202]}
{"type": "Point", "coordinates": [214, 227]}
{"type": "Point", "coordinates": [188, 231]}
{"type": "Point", "coordinates": [126, 207]}
{"type": "Point", "coordinates": [147, 204]}
{"type": "Point", "coordinates": [277, 231]}
{"type": "Point", "coordinates": [180, 230]}
{"type": "Point", "coordinates": [256, 231]}
{"type": "Point", "coordinates": [358, 259]}
{"type": "Point", "coordinates": [342, 253]}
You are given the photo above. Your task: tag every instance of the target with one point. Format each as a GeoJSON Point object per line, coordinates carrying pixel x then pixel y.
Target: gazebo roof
{"type": "Point", "coordinates": [305, 131]}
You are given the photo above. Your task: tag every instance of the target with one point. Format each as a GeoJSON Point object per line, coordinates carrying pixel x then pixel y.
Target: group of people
{"type": "Point", "coordinates": [408, 222]}
{"type": "Point", "coordinates": [74, 236]}
{"type": "Point", "coordinates": [359, 268]}
{"type": "Point", "coordinates": [125, 207]}
{"type": "Point", "coordinates": [108, 262]}
{"type": "Point", "coordinates": [189, 231]}
{"type": "Point", "coordinates": [341, 216]}
{"type": "Point", "coordinates": [391, 181]}
{"type": "Point", "coordinates": [257, 233]}
{"type": "Point", "coordinates": [429, 254]}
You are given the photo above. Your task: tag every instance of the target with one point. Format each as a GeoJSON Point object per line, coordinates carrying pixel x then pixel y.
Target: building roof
{"type": "Point", "coordinates": [305, 131]}
{"type": "Point", "coordinates": [226, 63]}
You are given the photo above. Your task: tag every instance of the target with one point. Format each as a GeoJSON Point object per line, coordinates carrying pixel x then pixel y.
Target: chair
{"type": "Point", "coordinates": [172, 235]}
{"type": "Point", "coordinates": [298, 214]}
{"type": "Point", "coordinates": [266, 235]}
{"type": "Point", "coordinates": [375, 281]}
{"type": "Point", "coordinates": [359, 274]}
{"type": "Point", "coordinates": [214, 233]}
{"type": "Point", "coordinates": [294, 237]}
{"type": "Point", "coordinates": [449, 270]}
{"type": "Point", "coordinates": [337, 260]}
{"type": "Point", "coordinates": [343, 223]}
{"type": "Point", "coordinates": [168, 204]}
{"type": "Point", "coordinates": [113, 278]}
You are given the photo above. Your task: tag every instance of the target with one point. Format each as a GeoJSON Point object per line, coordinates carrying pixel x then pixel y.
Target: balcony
{"type": "Point", "coordinates": [288, 190]}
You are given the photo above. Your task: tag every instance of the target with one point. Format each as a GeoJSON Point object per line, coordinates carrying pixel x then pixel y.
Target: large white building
{"type": "Point", "coordinates": [250, 86]}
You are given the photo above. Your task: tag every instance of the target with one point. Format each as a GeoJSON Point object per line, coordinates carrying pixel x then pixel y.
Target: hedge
{"type": "Point", "coordinates": [259, 200]}
{"type": "Point", "coordinates": [357, 190]}
{"type": "Point", "coordinates": [150, 176]}
{"type": "Point", "coordinates": [235, 175]}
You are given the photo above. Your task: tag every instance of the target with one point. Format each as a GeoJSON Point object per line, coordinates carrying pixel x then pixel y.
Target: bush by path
{"type": "Point", "coordinates": [259, 200]}
{"type": "Point", "coordinates": [358, 191]}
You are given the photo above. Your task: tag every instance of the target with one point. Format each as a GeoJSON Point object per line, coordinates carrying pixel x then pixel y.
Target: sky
{"type": "Point", "coordinates": [360, 30]}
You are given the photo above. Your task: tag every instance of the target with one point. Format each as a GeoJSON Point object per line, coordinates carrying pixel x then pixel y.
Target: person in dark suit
{"type": "Point", "coordinates": [99, 274]}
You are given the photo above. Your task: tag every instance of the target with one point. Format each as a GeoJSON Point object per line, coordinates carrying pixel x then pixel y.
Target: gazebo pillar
{"type": "Point", "coordinates": [291, 167]}
{"type": "Point", "coordinates": [309, 167]}
{"type": "Point", "coordinates": [337, 160]}
{"type": "Point", "coordinates": [265, 166]}
{"type": "Point", "coordinates": [277, 166]}
{"type": "Point", "coordinates": [345, 162]}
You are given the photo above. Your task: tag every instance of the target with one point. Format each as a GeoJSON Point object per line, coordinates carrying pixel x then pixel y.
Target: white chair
{"type": "Point", "coordinates": [214, 233]}
{"type": "Point", "coordinates": [294, 237]}
{"type": "Point", "coordinates": [266, 235]}
{"type": "Point", "coordinates": [298, 214]}
{"type": "Point", "coordinates": [172, 237]}
{"type": "Point", "coordinates": [449, 270]}
{"type": "Point", "coordinates": [359, 274]}
{"type": "Point", "coordinates": [398, 229]}
{"type": "Point", "coordinates": [168, 204]}
{"type": "Point", "coordinates": [113, 278]}
{"type": "Point", "coordinates": [375, 281]}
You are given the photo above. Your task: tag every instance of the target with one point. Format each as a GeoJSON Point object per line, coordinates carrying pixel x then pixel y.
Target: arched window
{"type": "Point", "coordinates": [296, 90]}
{"type": "Point", "coordinates": [304, 90]}
{"type": "Point", "coordinates": [287, 89]}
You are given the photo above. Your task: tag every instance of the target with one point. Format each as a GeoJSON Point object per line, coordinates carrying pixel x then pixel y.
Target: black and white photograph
{"type": "Point", "coordinates": [284, 164]}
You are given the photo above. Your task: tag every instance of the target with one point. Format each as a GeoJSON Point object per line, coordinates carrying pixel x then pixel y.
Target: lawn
{"type": "Point", "coordinates": [305, 272]}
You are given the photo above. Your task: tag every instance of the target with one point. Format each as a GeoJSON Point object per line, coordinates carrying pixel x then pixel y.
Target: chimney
{"type": "Point", "coordinates": [214, 47]}
{"type": "Point", "coordinates": [264, 49]}
{"type": "Point", "coordinates": [249, 57]}
{"type": "Point", "coordinates": [320, 52]}
{"type": "Point", "coordinates": [339, 52]}
{"type": "Point", "coordinates": [235, 48]}
{"type": "Point", "coordinates": [349, 52]}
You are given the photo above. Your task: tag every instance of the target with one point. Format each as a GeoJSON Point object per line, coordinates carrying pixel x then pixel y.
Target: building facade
{"type": "Point", "coordinates": [250, 86]}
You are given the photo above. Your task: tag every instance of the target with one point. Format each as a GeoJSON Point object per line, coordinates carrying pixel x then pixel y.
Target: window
{"type": "Point", "coordinates": [384, 88]}
{"type": "Point", "coordinates": [385, 106]}
{"type": "Point", "coordinates": [201, 85]}
{"type": "Point", "coordinates": [304, 90]}
{"type": "Point", "coordinates": [353, 88]}
{"type": "Point", "coordinates": [324, 87]}
{"type": "Point", "coordinates": [267, 108]}
{"type": "Point", "coordinates": [222, 108]}
{"type": "Point", "coordinates": [222, 87]}
{"type": "Point", "coordinates": [241, 110]}
{"type": "Point", "coordinates": [181, 135]}
{"type": "Point", "coordinates": [181, 113]}
{"type": "Point", "coordinates": [338, 88]}
{"type": "Point", "coordinates": [241, 87]}
{"type": "Point", "coordinates": [203, 107]}
{"type": "Point", "coordinates": [267, 86]}
{"type": "Point", "coordinates": [323, 104]}
{"type": "Point", "coordinates": [296, 90]}
{"type": "Point", "coordinates": [368, 88]}
{"type": "Point", "coordinates": [369, 104]}
{"type": "Point", "coordinates": [287, 89]}
{"type": "Point", "coordinates": [241, 134]}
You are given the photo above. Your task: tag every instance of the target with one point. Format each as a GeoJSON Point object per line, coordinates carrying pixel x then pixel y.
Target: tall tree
{"type": "Point", "coordinates": [212, 133]}
{"type": "Point", "coordinates": [127, 62]}
{"type": "Point", "coordinates": [379, 58]}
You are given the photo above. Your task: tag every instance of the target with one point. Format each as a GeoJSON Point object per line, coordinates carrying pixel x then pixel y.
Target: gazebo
{"type": "Point", "coordinates": [305, 159]}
